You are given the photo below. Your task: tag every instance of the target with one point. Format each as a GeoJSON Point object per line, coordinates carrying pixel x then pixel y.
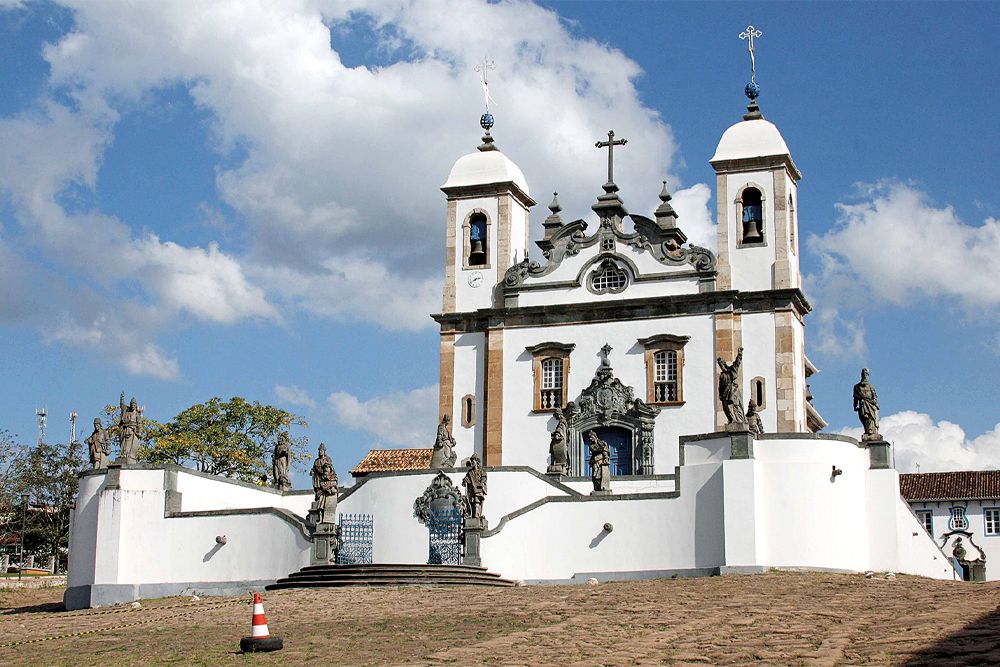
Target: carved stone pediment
{"type": "Point", "coordinates": [441, 495]}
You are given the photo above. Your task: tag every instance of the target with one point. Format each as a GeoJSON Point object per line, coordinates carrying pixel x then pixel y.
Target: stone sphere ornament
{"type": "Point", "coordinates": [486, 121]}
{"type": "Point", "coordinates": [752, 90]}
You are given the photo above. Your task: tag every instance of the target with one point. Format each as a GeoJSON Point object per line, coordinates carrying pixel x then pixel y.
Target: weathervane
{"type": "Point", "coordinates": [610, 145]}
{"type": "Point", "coordinates": [486, 120]}
{"type": "Point", "coordinates": [752, 90]}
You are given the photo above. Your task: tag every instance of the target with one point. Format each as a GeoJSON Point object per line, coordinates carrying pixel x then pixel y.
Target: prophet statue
{"type": "Point", "coordinates": [600, 464]}
{"type": "Point", "coordinates": [753, 419]}
{"type": "Point", "coordinates": [280, 461]}
{"type": "Point", "coordinates": [475, 487]}
{"type": "Point", "coordinates": [558, 447]}
{"type": "Point", "coordinates": [443, 455]}
{"type": "Point", "coordinates": [324, 479]}
{"type": "Point", "coordinates": [100, 446]}
{"type": "Point", "coordinates": [729, 389]}
{"type": "Point", "coordinates": [128, 431]}
{"type": "Point", "coordinates": [866, 405]}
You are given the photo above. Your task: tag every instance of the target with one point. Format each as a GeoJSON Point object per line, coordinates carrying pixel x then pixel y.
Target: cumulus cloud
{"type": "Point", "coordinates": [936, 447]}
{"type": "Point", "coordinates": [293, 395]}
{"type": "Point", "coordinates": [694, 215]}
{"type": "Point", "coordinates": [399, 419]}
{"type": "Point", "coordinates": [337, 165]}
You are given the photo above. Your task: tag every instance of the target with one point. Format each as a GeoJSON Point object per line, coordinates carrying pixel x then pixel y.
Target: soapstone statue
{"type": "Point", "coordinates": [128, 433]}
{"type": "Point", "coordinates": [443, 455]}
{"type": "Point", "coordinates": [100, 446]}
{"type": "Point", "coordinates": [753, 419]}
{"type": "Point", "coordinates": [324, 479]}
{"type": "Point", "coordinates": [558, 447]}
{"type": "Point", "coordinates": [866, 405]}
{"type": "Point", "coordinates": [600, 464]}
{"type": "Point", "coordinates": [475, 487]}
{"type": "Point", "coordinates": [729, 389]}
{"type": "Point", "coordinates": [280, 461]}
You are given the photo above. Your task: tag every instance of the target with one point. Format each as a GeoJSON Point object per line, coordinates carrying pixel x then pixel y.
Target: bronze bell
{"type": "Point", "coordinates": [751, 234]}
{"type": "Point", "coordinates": [478, 255]}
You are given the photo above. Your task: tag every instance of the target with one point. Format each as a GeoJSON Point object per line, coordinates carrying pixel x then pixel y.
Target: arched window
{"type": "Point", "coordinates": [608, 278]}
{"type": "Point", "coordinates": [757, 393]}
{"type": "Point", "coordinates": [552, 384]}
{"type": "Point", "coordinates": [664, 358]}
{"type": "Point", "coordinates": [752, 216]}
{"type": "Point", "coordinates": [468, 410]}
{"type": "Point", "coordinates": [478, 246]}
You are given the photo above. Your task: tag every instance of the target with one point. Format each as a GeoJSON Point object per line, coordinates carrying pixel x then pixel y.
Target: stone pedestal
{"type": "Point", "coordinates": [323, 510]}
{"type": "Point", "coordinates": [741, 440]}
{"type": "Point", "coordinates": [557, 470]}
{"type": "Point", "coordinates": [325, 544]}
{"type": "Point", "coordinates": [879, 453]}
{"type": "Point", "coordinates": [472, 532]}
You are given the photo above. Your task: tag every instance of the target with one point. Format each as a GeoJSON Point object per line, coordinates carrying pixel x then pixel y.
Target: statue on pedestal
{"type": "Point", "coordinates": [558, 447]}
{"type": "Point", "coordinates": [600, 464]}
{"type": "Point", "coordinates": [443, 456]}
{"type": "Point", "coordinates": [475, 487]}
{"type": "Point", "coordinates": [100, 446]}
{"type": "Point", "coordinates": [280, 460]}
{"type": "Point", "coordinates": [324, 479]}
{"type": "Point", "coordinates": [753, 419]}
{"type": "Point", "coordinates": [729, 389]}
{"type": "Point", "coordinates": [866, 405]}
{"type": "Point", "coordinates": [128, 434]}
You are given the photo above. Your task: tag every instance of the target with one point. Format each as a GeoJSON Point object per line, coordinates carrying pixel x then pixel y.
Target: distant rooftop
{"type": "Point", "coordinates": [965, 485]}
{"type": "Point", "coordinates": [382, 460]}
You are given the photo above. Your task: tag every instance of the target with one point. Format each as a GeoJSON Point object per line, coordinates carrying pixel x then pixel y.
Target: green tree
{"type": "Point", "coordinates": [50, 476]}
{"type": "Point", "coordinates": [10, 501]}
{"type": "Point", "coordinates": [233, 438]}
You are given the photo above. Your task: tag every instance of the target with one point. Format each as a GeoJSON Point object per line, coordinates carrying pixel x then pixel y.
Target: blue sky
{"type": "Point", "coordinates": [233, 199]}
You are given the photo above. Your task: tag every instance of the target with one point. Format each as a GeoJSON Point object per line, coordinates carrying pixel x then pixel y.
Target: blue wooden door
{"type": "Point", "coordinates": [619, 442]}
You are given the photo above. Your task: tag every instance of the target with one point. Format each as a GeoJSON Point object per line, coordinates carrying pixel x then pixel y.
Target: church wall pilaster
{"type": "Point", "coordinates": [446, 394]}
{"type": "Point", "coordinates": [503, 235]}
{"type": "Point", "coordinates": [724, 280]}
{"type": "Point", "coordinates": [493, 399]}
{"type": "Point", "coordinates": [785, 360]}
{"type": "Point", "coordinates": [782, 265]}
{"type": "Point", "coordinates": [450, 256]}
{"type": "Point", "coordinates": [728, 340]}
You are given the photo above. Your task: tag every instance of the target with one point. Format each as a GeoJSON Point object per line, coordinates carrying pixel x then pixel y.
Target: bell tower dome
{"type": "Point", "coordinates": [487, 225]}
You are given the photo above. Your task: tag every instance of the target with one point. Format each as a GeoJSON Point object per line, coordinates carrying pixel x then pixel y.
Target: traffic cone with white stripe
{"type": "Point", "coordinates": [260, 638]}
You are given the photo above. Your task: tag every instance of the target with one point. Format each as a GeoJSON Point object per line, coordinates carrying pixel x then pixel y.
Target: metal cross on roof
{"type": "Point", "coordinates": [749, 34]}
{"type": "Point", "coordinates": [484, 68]}
{"type": "Point", "coordinates": [610, 145]}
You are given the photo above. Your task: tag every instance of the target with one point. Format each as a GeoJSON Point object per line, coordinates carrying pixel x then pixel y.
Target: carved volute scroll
{"type": "Point", "coordinates": [439, 496]}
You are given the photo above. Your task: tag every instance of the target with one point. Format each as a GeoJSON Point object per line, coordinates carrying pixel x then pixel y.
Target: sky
{"type": "Point", "coordinates": [241, 198]}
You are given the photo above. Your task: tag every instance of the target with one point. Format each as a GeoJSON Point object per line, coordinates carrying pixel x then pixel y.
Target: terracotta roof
{"type": "Point", "coordinates": [380, 460]}
{"type": "Point", "coordinates": [964, 485]}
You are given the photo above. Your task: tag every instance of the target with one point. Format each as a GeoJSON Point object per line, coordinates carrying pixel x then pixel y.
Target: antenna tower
{"type": "Point", "coordinates": [41, 415]}
{"type": "Point", "coordinates": [72, 427]}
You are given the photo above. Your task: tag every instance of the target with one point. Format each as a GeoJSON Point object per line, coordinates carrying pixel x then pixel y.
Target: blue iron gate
{"type": "Point", "coordinates": [356, 539]}
{"type": "Point", "coordinates": [445, 529]}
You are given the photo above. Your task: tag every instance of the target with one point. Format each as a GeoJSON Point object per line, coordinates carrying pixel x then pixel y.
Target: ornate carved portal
{"type": "Point", "coordinates": [609, 404]}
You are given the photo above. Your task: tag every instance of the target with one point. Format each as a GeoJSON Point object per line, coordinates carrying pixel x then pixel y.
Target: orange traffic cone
{"type": "Point", "coordinates": [260, 638]}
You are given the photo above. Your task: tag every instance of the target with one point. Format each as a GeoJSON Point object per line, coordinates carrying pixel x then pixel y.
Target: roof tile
{"type": "Point", "coordinates": [964, 485]}
{"type": "Point", "coordinates": [382, 460]}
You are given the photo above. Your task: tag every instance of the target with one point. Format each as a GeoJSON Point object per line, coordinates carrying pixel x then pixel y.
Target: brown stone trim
{"type": "Point", "coordinates": [468, 408]}
{"type": "Point", "coordinates": [725, 270]}
{"type": "Point", "coordinates": [786, 397]}
{"type": "Point", "coordinates": [504, 202]}
{"type": "Point", "coordinates": [705, 303]}
{"type": "Point", "coordinates": [490, 190]}
{"type": "Point", "coordinates": [728, 341]}
{"type": "Point", "coordinates": [539, 354]}
{"type": "Point", "coordinates": [493, 400]}
{"type": "Point", "coordinates": [450, 233]}
{"type": "Point", "coordinates": [782, 263]}
{"type": "Point", "coordinates": [765, 163]}
{"type": "Point", "coordinates": [446, 392]}
{"type": "Point", "coordinates": [467, 240]}
{"type": "Point", "coordinates": [661, 343]}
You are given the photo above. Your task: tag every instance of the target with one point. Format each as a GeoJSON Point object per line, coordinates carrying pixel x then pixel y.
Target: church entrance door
{"type": "Point", "coordinates": [620, 443]}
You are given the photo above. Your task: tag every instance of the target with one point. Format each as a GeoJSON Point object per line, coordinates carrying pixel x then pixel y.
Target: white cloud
{"type": "Point", "coordinates": [900, 246]}
{"type": "Point", "coordinates": [398, 419]}
{"type": "Point", "coordinates": [694, 215]}
{"type": "Point", "coordinates": [150, 361]}
{"type": "Point", "coordinates": [339, 185]}
{"type": "Point", "coordinates": [293, 395]}
{"type": "Point", "coordinates": [936, 447]}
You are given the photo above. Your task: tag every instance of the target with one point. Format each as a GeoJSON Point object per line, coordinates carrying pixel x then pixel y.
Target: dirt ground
{"type": "Point", "coordinates": [779, 618]}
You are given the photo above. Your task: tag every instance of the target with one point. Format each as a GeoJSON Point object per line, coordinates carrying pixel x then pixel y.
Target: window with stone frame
{"type": "Point", "coordinates": [608, 278]}
{"type": "Point", "coordinates": [750, 216]}
{"type": "Point", "coordinates": [550, 365]}
{"type": "Point", "coordinates": [958, 520]}
{"type": "Point", "coordinates": [664, 368]}
{"type": "Point", "coordinates": [476, 247]}
{"type": "Point", "coordinates": [927, 520]}
{"type": "Point", "coordinates": [468, 410]}
{"type": "Point", "coordinates": [992, 519]}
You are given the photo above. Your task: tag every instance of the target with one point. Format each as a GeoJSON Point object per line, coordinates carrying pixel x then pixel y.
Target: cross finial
{"type": "Point", "coordinates": [610, 145]}
{"type": "Point", "coordinates": [749, 35]}
{"type": "Point", "coordinates": [606, 350]}
{"type": "Point", "coordinates": [484, 69]}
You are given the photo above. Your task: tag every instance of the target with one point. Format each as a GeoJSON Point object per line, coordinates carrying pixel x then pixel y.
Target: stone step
{"type": "Point", "coordinates": [319, 576]}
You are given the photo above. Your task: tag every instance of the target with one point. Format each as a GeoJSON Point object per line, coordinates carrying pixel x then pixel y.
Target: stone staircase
{"type": "Point", "coordinates": [326, 576]}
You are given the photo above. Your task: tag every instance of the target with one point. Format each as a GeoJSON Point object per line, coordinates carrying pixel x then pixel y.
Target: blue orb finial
{"type": "Point", "coordinates": [752, 90]}
{"type": "Point", "coordinates": [486, 121]}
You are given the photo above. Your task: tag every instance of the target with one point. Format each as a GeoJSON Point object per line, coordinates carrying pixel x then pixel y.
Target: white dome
{"type": "Point", "coordinates": [485, 167]}
{"type": "Point", "coordinates": [751, 138]}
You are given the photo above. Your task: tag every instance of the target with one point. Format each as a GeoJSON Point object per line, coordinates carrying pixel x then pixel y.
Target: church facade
{"type": "Point", "coordinates": [688, 366]}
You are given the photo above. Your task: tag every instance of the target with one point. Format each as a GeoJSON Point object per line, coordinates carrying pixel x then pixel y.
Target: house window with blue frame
{"type": "Point", "coordinates": [992, 519]}
{"type": "Point", "coordinates": [927, 521]}
{"type": "Point", "coordinates": [958, 520]}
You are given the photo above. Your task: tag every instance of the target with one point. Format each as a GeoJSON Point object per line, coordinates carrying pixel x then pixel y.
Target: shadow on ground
{"type": "Point", "coordinates": [48, 607]}
{"type": "Point", "coordinates": [976, 644]}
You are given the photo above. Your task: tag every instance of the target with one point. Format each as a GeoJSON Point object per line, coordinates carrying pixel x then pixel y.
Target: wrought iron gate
{"type": "Point", "coordinates": [356, 539]}
{"type": "Point", "coordinates": [445, 528]}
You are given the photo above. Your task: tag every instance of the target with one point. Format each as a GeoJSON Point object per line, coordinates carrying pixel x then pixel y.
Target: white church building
{"type": "Point", "coordinates": [621, 331]}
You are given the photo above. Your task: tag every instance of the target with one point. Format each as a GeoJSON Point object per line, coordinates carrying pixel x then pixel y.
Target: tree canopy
{"type": "Point", "coordinates": [232, 438]}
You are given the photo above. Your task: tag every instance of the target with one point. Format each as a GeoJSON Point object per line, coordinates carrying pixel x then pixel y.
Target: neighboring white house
{"type": "Point", "coordinates": [621, 330]}
{"type": "Point", "coordinates": [960, 505]}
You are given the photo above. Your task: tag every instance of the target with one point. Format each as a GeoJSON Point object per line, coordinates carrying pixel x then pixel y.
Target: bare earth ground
{"type": "Point", "coordinates": [779, 618]}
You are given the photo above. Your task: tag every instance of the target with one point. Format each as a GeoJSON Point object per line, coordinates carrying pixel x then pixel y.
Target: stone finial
{"type": "Point", "coordinates": [665, 214]}
{"type": "Point", "coordinates": [553, 222]}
